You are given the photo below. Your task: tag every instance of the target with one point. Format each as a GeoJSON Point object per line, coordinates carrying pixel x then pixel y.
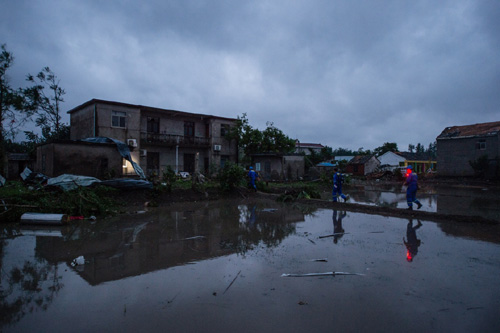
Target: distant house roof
{"type": "Point", "coordinates": [360, 159]}
{"type": "Point", "coordinates": [340, 158]}
{"type": "Point", "coordinates": [415, 156]}
{"type": "Point", "coordinates": [308, 145]}
{"type": "Point", "coordinates": [483, 129]}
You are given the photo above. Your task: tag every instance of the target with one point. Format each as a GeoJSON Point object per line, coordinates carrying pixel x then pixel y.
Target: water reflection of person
{"type": "Point", "coordinates": [413, 243]}
{"type": "Point", "coordinates": [338, 230]}
{"type": "Point", "coordinates": [253, 217]}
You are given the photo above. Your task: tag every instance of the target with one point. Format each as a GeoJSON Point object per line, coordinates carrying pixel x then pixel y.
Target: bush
{"type": "Point", "coordinates": [169, 177]}
{"type": "Point", "coordinates": [231, 176]}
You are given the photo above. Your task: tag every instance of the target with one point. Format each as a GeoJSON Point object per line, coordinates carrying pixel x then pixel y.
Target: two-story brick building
{"type": "Point", "coordinates": [158, 137]}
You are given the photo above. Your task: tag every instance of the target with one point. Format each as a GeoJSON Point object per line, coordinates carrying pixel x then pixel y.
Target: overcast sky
{"type": "Point", "coordinates": [345, 74]}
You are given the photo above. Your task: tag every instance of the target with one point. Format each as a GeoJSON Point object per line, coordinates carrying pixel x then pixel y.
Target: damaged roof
{"type": "Point", "coordinates": [483, 129]}
{"type": "Point", "coordinates": [360, 159]}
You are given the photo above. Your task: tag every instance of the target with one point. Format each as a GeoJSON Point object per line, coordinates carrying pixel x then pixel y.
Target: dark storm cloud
{"type": "Point", "coordinates": [342, 73]}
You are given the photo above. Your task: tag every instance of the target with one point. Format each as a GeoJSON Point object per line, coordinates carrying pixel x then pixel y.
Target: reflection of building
{"type": "Point", "coordinates": [138, 244]}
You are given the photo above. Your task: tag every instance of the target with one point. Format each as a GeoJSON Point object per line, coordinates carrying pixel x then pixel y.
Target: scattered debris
{"type": "Point", "coordinates": [232, 282]}
{"type": "Point", "coordinates": [194, 237]}
{"type": "Point", "coordinates": [43, 218]}
{"type": "Point", "coordinates": [302, 303]}
{"type": "Point", "coordinates": [334, 234]}
{"type": "Point", "coordinates": [319, 274]}
{"type": "Point", "coordinates": [78, 261]}
{"type": "Point", "coordinates": [320, 260]}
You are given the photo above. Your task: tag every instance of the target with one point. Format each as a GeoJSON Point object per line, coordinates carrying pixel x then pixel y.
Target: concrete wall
{"type": "Point", "coordinates": [288, 167]}
{"type": "Point", "coordinates": [371, 165]}
{"type": "Point", "coordinates": [83, 159]}
{"type": "Point", "coordinates": [453, 155]}
{"type": "Point", "coordinates": [294, 167]}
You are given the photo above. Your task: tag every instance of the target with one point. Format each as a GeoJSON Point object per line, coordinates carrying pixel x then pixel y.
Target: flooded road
{"type": "Point", "coordinates": [219, 267]}
{"type": "Point", "coordinates": [452, 200]}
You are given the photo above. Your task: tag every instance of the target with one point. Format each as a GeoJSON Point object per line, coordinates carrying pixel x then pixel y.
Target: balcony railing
{"type": "Point", "coordinates": [172, 140]}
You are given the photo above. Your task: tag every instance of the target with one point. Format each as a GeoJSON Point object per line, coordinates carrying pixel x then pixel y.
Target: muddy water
{"type": "Point", "coordinates": [217, 267]}
{"type": "Point", "coordinates": [469, 201]}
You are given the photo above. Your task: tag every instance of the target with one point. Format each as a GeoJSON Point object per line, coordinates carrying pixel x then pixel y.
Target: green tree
{"type": "Point", "coordinates": [432, 149]}
{"type": "Point", "coordinates": [253, 141]}
{"type": "Point", "coordinates": [15, 108]}
{"type": "Point", "coordinates": [275, 141]}
{"type": "Point", "coordinates": [47, 95]}
{"type": "Point", "coordinates": [411, 147]}
{"type": "Point", "coordinates": [387, 146]}
{"type": "Point", "coordinates": [343, 152]}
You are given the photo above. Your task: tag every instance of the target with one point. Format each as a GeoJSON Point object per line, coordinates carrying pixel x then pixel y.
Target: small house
{"type": "Point", "coordinates": [391, 161]}
{"type": "Point", "coordinates": [362, 165]}
{"type": "Point", "coordinates": [279, 167]}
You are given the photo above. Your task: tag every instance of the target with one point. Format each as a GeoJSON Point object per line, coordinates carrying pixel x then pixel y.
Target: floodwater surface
{"type": "Point", "coordinates": [451, 200]}
{"type": "Point", "coordinates": [226, 265]}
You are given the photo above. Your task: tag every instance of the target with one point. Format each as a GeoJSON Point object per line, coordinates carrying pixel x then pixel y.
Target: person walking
{"type": "Point", "coordinates": [337, 186]}
{"type": "Point", "coordinates": [252, 175]}
{"type": "Point", "coordinates": [412, 187]}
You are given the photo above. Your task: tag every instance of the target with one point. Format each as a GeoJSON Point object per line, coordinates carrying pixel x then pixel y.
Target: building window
{"type": "Point", "coordinates": [189, 128]}
{"type": "Point", "coordinates": [223, 160]}
{"type": "Point", "coordinates": [481, 144]}
{"type": "Point", "coordinates": [118, 119]}
{"type": "Point", "coordinates": [224, 130]}
{"type": "Point", "coordinates": [153, 125]}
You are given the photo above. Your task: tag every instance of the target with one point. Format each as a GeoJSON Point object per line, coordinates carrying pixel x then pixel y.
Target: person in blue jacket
{"type": "Point", "coordinates": [337, 186]}
{"type": "Point", "coordinates": [412, 187]}
{"type": "Point", "coordinates": [252, 175]}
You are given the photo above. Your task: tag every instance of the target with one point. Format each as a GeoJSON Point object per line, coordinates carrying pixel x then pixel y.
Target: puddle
{"type": "Point", "coordinates": [250, 266]}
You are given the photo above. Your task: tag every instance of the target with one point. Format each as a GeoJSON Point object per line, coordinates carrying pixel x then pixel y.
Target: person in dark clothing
{"type": "Point", "coordinates": [412, 187]}
{"type": "Point", "coordinates": [337, 186]}
{"type": "Point", "coordinates": [252, 175]}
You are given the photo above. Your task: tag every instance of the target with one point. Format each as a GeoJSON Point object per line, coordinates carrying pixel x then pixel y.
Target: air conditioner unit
{"type": "Point", "coordinates": [217, 147]}
{"type": "Point", "coordinates": [143, 152]}
{"type": "Point", "coordinates": [132, 142]}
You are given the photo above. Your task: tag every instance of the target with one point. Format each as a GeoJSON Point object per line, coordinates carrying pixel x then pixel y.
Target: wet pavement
{"type": "Point", "coordinates": [218, 266]}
